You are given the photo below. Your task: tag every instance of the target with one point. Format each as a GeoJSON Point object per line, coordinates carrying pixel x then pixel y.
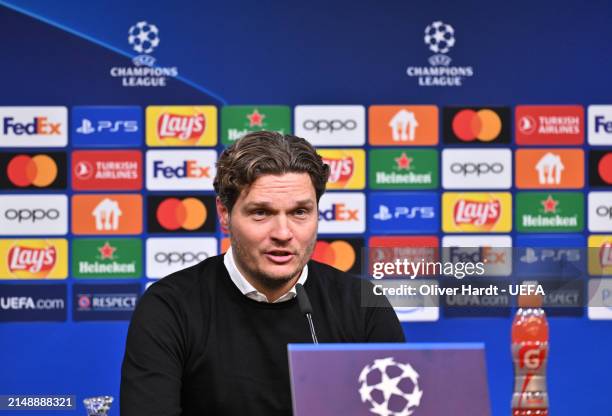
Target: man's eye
{"type": "Point", "coordinates": [259, 213]}
{"type": "Point", "coordinates": [301, 212]}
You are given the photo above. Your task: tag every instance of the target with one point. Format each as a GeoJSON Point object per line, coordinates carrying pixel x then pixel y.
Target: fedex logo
{"type": "Point", "coordinates": [602, 125]}
{"type": "Point", "coordinates": [39, 125]}
{"type": "Point", "coordinates": [33, 126]}
{"type": "Point", "coordinates": [189, 169]}
{"type": "Point", "coordinates": [342, 212]}
{"type": "Point", "coordinates": [180, 169]}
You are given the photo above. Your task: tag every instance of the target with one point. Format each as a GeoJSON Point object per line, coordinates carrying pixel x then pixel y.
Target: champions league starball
{"type": "Point", "coordinates": [390, 388]}
{"type": "Point", "coordinates": [440, 37]}
{"type": "Point", "coordinates": [143, 37]}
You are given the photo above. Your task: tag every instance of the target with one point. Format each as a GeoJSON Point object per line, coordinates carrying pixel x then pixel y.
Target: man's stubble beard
{"type": "Point", "coordinates": [266, 281]}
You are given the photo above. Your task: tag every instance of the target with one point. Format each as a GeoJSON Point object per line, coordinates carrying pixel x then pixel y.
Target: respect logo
{"type": "Point", "coordinates": [346, 167]}
{"type": "Point", "coordinates": [181, 125]}
{"type": "Point", "coordinates": [473, 212]}
{"type": "Point", "coordinates": [34, 259]}
{"type": "Point", "coordinates": [33, 170]}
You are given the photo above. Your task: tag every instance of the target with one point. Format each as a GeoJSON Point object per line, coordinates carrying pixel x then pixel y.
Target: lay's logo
{"type": "Point", "coordinates": [181, 125]}
{"type": "Point", "coordinates": [34, 259]}
{"type": "Point", "coordinates": [346, 168]}
{"type": "Point", "coordinates": [477, 212]}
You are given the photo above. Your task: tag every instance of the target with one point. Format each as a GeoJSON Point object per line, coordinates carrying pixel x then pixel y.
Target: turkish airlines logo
{"type": "Point", "coordinates": [33, 171]}
{"type": "Point", "coordinates": [331, 125]}
{"type": "Point", "coordinates": [549, 168]}
{"type": "Point", "coordinates": [107, 214]}
{"type": "Point", "coordinates": [34, 259]}
{"type": "Point", "coordinates": [168, 255]}
{"type": "Point", "coordinates": [557, 125]}
{"type": "Point", "coordinates": [107, 170]}
{"type": "Point", "coordinates": [181, 214]}
{"type": "Point", "coordinates": [29, 214]}
{"type": "Point", "coordinates": [403, 125]}
{"type": "Point", "coordinates": [181, 169]}
{"type": "Point", "coordinates": [478, 169]}
{"type": "Point", "coordinates": [476, 125]}
{"type": "Point", "coordinates": [33, 126]}
{"type": "Point", "coordinates": [477, 212]}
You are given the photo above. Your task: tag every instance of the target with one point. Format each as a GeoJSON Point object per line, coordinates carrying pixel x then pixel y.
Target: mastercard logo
{"type": "Point", "coordinates": [605, 168]}
{"type": "Point", "coordinates": [341, 254]}
{"type": "Point", "coordinates": [466, 125]}
{"type": "Point", "coordinates": [25, 170]}
{"type": "Point", "coordinates": [181, 214]}
{"type": "Point", "coordinates": [174, 214]}
{"type": "Point", "coordinates": [600, 168]}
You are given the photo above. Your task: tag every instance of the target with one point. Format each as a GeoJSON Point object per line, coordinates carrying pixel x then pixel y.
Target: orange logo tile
{"type": "Point", "coordinates": [549, 168]}
{"type": "Point", "coordinates": [403, 125]}
{"type": "Point", "coordinates": [107, 214]}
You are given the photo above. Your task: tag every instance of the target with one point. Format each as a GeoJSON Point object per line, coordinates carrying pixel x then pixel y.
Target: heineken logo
{"type": "Point", "coordinates": [114, 258]}
{"type": "Point", "coordinates": [236, 121]}
{"type": "Point", "coordinates": [549, 212]}
{"type": "Point", "coordinates": [403, 169]}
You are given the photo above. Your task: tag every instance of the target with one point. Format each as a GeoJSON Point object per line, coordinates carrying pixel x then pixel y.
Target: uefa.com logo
{"type": "Point", "coordinates": [440, 39]}
{"type": "Point", "coordinates": [143, 37]}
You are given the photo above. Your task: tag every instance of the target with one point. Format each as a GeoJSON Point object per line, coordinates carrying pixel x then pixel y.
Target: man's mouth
{"type": "Point", "coordinates": [279, 256]}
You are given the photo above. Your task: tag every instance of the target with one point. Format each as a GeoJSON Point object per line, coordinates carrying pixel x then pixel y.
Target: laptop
{"type": "Point", "coordinates": [389, 379]}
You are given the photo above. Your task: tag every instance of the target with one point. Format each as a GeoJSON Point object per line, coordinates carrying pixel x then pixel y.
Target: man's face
{"type": "Point", "coordinates": [273, 227]}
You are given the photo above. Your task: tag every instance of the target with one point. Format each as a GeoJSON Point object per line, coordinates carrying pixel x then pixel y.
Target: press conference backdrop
{"type": "Point", "coordinates": [113, 114]}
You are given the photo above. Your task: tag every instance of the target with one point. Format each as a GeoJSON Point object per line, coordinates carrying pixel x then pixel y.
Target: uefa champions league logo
{"type": "Point", "coordinates": [390, 388]}
{"type": "Point", "coordinates": [144, 38]}
{"type": "Point", "coordinates": [440, 37]}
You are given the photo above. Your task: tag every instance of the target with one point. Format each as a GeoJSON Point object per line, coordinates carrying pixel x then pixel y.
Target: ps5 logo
{"type": "Point", "coordinates": [107, 126]}
{"type": "Point", "coordinates": [384, 213]}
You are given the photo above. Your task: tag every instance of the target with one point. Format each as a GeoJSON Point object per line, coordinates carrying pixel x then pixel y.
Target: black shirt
{"type": "Point", "coordinates": [197, 346]}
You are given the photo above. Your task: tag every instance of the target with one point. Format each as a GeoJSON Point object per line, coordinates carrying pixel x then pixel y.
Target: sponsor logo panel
{"type": "Point", "coordinates": [111, 170]}
{"type": "Point", "coordinates": [546, 212]}
{"type": "Point", "coordinates": [600, 296]}
{"type": "Point", "coordinates": [555, 125]}
{"type": "Point", "coordinates": [106, 126]}
{"type": "Point", "coordinates": [103, 302]}
{"type": "Point", "coordinates": [477, 168]}
{"type": "Point", "coordinates": [107, 258]}
{"type": "Point", "coordinates": [543, 255]}
{"type": "Point", "coordinates": [600, 255]}
{"type": "Point", "coordinates": [181, 125]}
{"type": "Point", "coordinates": [109, 214]}
{"type": "Point", "coordinates": [236, 121]}
{"type": "Point", "coordinates": [477, 212]}
{"type": "Point", "coordinates": [33, 259]}
{"type": "Point", "coordinates": [342, 212]}
{"type": "Point", "coordinates": [476, 125]}
{"type": "Point", "coordinates": [181, 169]}
{"type": "Point", "coordinates": [33, 126]}
{"type": "Point", "coordinates": [549, 168]}
{"type": "Point", "coordinates": [181, 214]}
{"type": "Point", "coordinates": [168, 255]}
{"type": "Point", "coordinates": [396, 125]}
{"type": "Point", "coordinates": [494, 251]}
{"type": "Point", "coordinates": [403, 169]}
{"type": "Point", "coordinates": [600, 125]}
{"type": "Point", "coordinates": [412, 248]}
{"type": "Point", "coordinates": [23, 303]}
{"type": "Point", "coordinates": [33, 170]}
{"type": "Point", "coordinates": [600, 211]}
{"type": "Point", "coordinates": [331, 125]}
{"type": "Point", "coordinates": [346, 168]}
{"type": "Point", "coordinates": [33, 215]}
{"type": "Point", "coordinates": [343, 254]}
{"type": "Point", "coordinates": [394, 212]}
{"type": "Point", "coordinates": [600, 168]}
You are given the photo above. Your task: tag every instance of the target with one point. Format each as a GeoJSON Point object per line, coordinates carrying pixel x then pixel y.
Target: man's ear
{"type": "Point", "coordinates": [223, 215]}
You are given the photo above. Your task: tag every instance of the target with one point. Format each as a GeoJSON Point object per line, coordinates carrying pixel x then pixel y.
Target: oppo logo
{"type": "Point", "coordinates": [476, 168]}
{"type": "Point", "coordinates": [329, 125]}
{"type": "Point", "coordinates": [175, 257]}
{"type": "Point", "coordinates": [604, 211]}
{"type": "Point", "coordinates": [32, 215]}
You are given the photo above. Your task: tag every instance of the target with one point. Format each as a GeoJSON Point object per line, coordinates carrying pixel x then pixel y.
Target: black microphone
{"type": "Point", "coordinates": [306, 309]}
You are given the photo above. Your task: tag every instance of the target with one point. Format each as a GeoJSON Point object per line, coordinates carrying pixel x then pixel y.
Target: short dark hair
{"type": "Point", "coordinates": [266, 153]}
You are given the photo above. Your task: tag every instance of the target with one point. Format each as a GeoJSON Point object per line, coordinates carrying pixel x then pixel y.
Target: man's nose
{"type": "Point", "coordinates": [281, 229]}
